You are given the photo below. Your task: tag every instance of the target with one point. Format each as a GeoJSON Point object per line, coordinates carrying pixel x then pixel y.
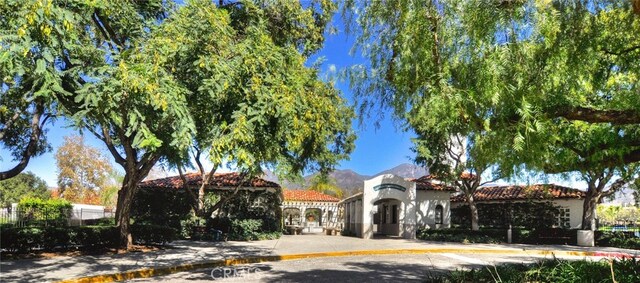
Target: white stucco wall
{"type": "Point", "coordinates": [427, 202]}
{"type": "Point", "coordinates": [575, 210]}
{"type": "Point", "coordinates": [388, 189]}
{"type": "Point", "coordinates": [324, 206]}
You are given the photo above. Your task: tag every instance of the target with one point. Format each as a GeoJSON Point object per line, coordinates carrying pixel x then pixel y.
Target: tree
{"type": "Point", "coordinates": [266, 109]}
{"type": "Point", "coordinates": [82, 171]}
{"type": "Point", "coordinates": [455, 159]}
{"type": "Point", "coordinates": [22, 124]}
{"type": "Point", "coordinates": [326, 185]}
{"type": "Point", "coordinates": [547, 85]}
{"type": "Point", "coordinates": [121, 70]}
{"type": "Point", "coordinates": [21, 186]}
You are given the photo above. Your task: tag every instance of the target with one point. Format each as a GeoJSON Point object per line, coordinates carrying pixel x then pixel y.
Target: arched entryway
{"type": "Point", "coordinates": [291, 216]}
{"type": "Point", "coordinates": [386, 206]}
{"type": "Point", "coordinates": [313, 217]}
{"type": "Point", "coordinates": [386, 219]}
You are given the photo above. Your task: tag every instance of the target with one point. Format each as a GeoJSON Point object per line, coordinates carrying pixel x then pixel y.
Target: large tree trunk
{"type": "Point", "coordinates": [135, 171]}
{"type": "Point", "coordinates": [589, 209]}
{"type": "Point", "coordinates": [123, 212]}
{"type": "Point", "coordinates": [474, 214]}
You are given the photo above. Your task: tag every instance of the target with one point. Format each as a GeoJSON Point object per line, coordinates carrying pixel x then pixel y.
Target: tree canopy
{"type": "Point", "coordinates": [150, 78]}
{"type": "Point", "coordinates": [23, 185]}
{"type": "Point", "coordinates": [83, 171]}
{"type": "Point", "coordinates": [550, 85]}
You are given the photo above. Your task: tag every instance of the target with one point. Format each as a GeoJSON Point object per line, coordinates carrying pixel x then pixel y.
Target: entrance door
{"type": "Point", "coordinates": [388, 222]}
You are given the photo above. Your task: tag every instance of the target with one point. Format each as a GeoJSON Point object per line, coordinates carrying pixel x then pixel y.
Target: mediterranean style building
{"type": "Point", "coordinates": [394, 206]}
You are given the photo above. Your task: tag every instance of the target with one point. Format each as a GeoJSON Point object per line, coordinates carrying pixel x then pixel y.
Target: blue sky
{"type": "Point", "coordinates": [377, 149]}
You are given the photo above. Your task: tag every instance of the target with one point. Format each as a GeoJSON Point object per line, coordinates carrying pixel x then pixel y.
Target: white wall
{"type": "Point", "coordinates": [407, 204]}
{"type": "Point", "coordinates": [427, 202]}
{"type": "Point", "coordinates": [575, 210]}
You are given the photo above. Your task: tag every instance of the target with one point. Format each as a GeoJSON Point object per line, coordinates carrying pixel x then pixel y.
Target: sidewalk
{"type": "Point", "coordinates": [184, 253]}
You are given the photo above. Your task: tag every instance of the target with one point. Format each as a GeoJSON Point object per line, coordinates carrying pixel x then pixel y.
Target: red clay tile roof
{"type": "Point", "coordinates": [219, 180]}
{"type": "Point", "coordinates": [538, 191]}
{"type": "Point", "coordinates": [429, 183]}
{"type": "Point", "coordinates": [303, 195]}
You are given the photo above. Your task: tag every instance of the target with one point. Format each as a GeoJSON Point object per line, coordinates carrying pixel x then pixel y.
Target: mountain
{"type": "Point", "coordinates": [406, 170]}
{"type": "Point", "coordinates": [351, 182]}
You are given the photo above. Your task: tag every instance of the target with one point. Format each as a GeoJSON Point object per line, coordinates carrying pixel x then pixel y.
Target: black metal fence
{"type": "Point", "coordinates": [20, 217]}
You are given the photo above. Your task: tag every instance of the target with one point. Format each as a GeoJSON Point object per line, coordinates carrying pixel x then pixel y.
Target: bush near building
{"type": "Point", "coordinates": [555, 270]}
{"type": "Point", "coordinates": [526, 215]}
{"type": "Point", "coordinates": [49, 238]}
{"type": "Point", "coordinates": [249, 215]}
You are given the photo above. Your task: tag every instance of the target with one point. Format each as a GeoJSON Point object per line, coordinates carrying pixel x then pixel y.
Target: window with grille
{"type": "Point", "coordinates": [564, 218]}
{"type": "Point", "coordinates": [438, 214]}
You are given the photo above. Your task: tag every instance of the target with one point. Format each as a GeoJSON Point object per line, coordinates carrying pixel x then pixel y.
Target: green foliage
{"type": "Point", "coordinates": [36, 211]}
{"type": "Point", "coordinates": [529, 85]}
{"type": "Point", "coordinates": [150, 207]}
{"type": "Point", "coordinates": [94, 237]}
{"type": "Point", "coordinates": [153, 234]}
{"type": "Point", "coordinates": [25, 239]}
{"type": "Point", "coordinates": [619, 239]}
{"type": "Point", "coordinates": [21, 239]}
{"type": "Point", "coordinates": [325, 184]}
{"type": "Point", "coordinates": [614, 214]}
{"type": "Point", "coordinates": [554, 270]}
{"type": "Point", "coordinates": [493, 236]}
{"type": "Point", "coordinates": [245, 229]}
{"type": "Point", "coordinates": [528, 215]}
{"type": "Point", "coordinates": [150, 78]}
{"type": "Point", "coordinates": [166, 207]}
{"type": "Point", "coordinates": [21, 186]}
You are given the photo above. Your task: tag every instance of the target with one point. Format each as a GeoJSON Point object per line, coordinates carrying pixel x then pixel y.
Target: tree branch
{"type": "Point", "coordinates": [621, 52]}
{"type": "Point", "coordinates": [108, 29]}
{"type": "Point", "coordinates": [34, 139]}
{"type": "Point", "coordinates": [8, 124]}
{"type": "Point", "coordinates": [616, 117]}
{"type": "Point", "coordinates": [106, 138]}
{"type": "Point", "coordinates": [194, 204]}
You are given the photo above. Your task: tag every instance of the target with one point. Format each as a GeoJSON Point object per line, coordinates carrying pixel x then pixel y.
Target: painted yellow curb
{"type": "Point", "coordinates": [151, 272]}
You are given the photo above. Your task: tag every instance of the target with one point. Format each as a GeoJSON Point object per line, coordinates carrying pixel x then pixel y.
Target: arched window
{"type": "Point", "coordinates": [438, 214]}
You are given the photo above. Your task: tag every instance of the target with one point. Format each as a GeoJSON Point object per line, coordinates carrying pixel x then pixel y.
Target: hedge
{"type": "Point", "coordinates": [487, 235]}
{"type": "Point", "coordinates": [526, 215]}
{"type": "Point", "coordinates": [150, 207]}
{"type": "Point", "coordinates": [618, 239]}
{"type": "Point", "coordinates": [24, 239]}
{"type": "Point", "coordinates": [550, 270]}
{"type": "Point", "coordinates": [39, 212]}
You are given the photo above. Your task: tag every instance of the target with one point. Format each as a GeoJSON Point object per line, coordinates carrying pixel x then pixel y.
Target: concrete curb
{"type": "Point", "coordinates": [151, 272]}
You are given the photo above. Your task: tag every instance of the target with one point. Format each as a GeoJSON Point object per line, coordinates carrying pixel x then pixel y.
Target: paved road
{"type": "Point", "coordinates": [379, 268]}
{"type": "Point", "coordinates": [189, 253]}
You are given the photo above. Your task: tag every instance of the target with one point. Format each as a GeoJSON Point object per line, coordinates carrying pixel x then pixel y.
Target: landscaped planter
{"type": "Point", "coordinates": [586, 238]}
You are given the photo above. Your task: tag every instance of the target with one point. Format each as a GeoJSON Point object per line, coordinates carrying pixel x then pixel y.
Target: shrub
{"type": "Point", "coordinates": [57, 237]}
{"type": "Point", "coordinates": [245, 229]}
{"type": "Point", "coordinates": [617, 239]}
{"type": "Point", "coordinates": [626, 270]}
{"type": "Point", "coordinates": [24, 239]}
{"type": "Point", "coordinates": [153, 234]}
{"type": "Point", "coordinates": [39, 212]}
{"type": "Point", "coordinates": [530, 215]}
{"type": "Point", "coordinates": [95, 237]}
{"type": "Point", "coordinates": [150, 206]}
{"type": "Point", "coordinates": [463, 235]}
